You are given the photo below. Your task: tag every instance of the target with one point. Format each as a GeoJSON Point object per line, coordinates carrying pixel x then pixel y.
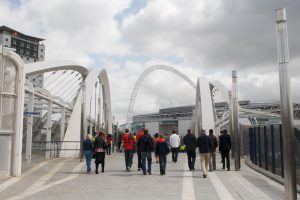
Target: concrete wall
{"type": "Point", "coordinates": [183, 125]}
{"type": "Point", "coordinates": [153, 127]}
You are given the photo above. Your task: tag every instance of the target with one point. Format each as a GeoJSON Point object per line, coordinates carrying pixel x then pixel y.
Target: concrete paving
{"type": "Point", "coordinates": [66, 179]}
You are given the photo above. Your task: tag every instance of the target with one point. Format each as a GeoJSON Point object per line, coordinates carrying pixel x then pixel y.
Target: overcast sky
{"type": "Point", "coordinates": [197, 37]}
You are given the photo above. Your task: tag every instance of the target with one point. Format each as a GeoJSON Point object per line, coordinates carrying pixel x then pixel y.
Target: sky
{"type": "Point", "coordinates": [197, 37]}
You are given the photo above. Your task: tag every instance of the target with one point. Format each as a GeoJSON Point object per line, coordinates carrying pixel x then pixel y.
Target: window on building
{"type": "Point", "coordinates": [27, 58]}
{"type": "Point", "coordinates": [6, 39]}
{"type": "Point", "coordinates": [42, 50]}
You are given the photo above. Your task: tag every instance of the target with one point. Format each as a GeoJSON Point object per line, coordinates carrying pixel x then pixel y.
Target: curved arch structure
{"type": "Point", "coordinates": [141, 79]}
{"type": "Point", "coordinates": [11, 134]}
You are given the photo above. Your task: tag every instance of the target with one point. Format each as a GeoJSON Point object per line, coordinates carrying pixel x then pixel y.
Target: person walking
{"type": "Point", "coordinates": [224, 148]}
{"type": "Point", "coordinates": [204, 144]}
{"type": "Point", "coordinates": [190, 143]}
{"type": "Point", "coordinates": [138, 136]}
{"type": "Point", "coordinates": [88, 152]}
{"type": "Point", "coordinates": [162, 150]}
{"type": "Point", "coordinates": [145, 146]}
{"type": "Point", "coordinates": [212, 158]}
{"type": "Point", "coordinates": [174, 143]}
{"type": "Point", "coordinates": [100, 146]}
{"type": "Point", "coordinates": [128, 146]}
{"type": "Point", "coordinates": [109, 140]}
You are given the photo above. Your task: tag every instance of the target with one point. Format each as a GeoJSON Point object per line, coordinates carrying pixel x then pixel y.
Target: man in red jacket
{"type": "Point", "coordinates": [128, 145]}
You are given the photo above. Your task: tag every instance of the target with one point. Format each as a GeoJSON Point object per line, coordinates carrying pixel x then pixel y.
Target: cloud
{"type": "Point", "coordinates": [200, 38]}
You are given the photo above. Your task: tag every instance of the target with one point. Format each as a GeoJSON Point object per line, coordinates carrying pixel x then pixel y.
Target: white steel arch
{"type": "Point", "coordinates": [142, 78]}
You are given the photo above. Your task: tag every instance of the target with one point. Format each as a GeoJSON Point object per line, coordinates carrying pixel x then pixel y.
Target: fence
{"type": "Point", "coordinates": [265, 149]}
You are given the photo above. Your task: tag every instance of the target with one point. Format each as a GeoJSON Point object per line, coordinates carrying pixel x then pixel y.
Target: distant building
{"type": "Point", "coordinates": [29, 48]}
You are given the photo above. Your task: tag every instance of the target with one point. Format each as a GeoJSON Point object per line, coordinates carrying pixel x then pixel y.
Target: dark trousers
{"type": "Point", "coordinates": [108, 150]}
{"type": "Point", "coordinates": [174, 154]}
{"type": "Point", "coordinates": [128, 158]}
{"type": "Point", "coordinates": [139, 159]}
{"type": "Point", "coordinates": [225, 155]}
{"type": "Point", "coordinates": [191, 154]}
{"type": "Point", "coordinates": [162, 164]}
{"type": "Point", "coordinates": [146, 156]}
{"type": "Point", "coordinates": [100, 158]}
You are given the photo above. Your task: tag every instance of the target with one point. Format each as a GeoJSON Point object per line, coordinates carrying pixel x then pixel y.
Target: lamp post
{"type": "Point", "coordinates": [235, 125]}
{"type": "Point", "coordinates": [286, 105]}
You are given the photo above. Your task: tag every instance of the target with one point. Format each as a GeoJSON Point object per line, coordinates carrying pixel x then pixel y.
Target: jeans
{"type": "Point", "coordinates": [212, 161]}
{"type": "Point", "coordinates": [146, 155]}
{"type": "Point", "coordinates": [204, 159]}
{"type": "Point", "coordinates": [108, 150]}
{"type": "Point", "coordinates": [162, 164]}
{"type": "Point", "coordinates": [88, 159]}
{"type": "Point", "coordinates": [128, 158]}
{"type": "Point", "coordinates": [139, 159]}
{"type": "Point", "coordinates": [174, 154]}
{"type": "Point", "coordinates": [191, 154]}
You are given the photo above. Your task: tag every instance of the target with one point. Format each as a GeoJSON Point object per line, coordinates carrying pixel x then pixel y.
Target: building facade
{"type": "Point", "coordinates": [29, 48]}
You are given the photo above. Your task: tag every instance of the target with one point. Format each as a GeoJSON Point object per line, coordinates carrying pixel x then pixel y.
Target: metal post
{"type": "Point", "coordinates": [95, 114]}
{"type": "Point", "coordinates": [90, 117]}
{"type": "Point", "coordinates": [266, 147]}
{"type": "Point", "coordinates": [286, 105]}
{"type": "Point", "coordinates": [235, 115]}
{"type": "Point", "coordinates": [62, 125]}
{"type": "Point", "coordinates": [231, 124]}
{"type": "Point", "coordinates": [48, 127]}
{"type": "Point", "coordinates": [99, 114]}
{"type": "Point", "coordinates": [83, 120]}
{"type": "Point", "coordinates": [29, 128]}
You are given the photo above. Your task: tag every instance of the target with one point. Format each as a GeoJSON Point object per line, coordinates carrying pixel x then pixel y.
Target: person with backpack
{"type": "Point", "coordinates": [162, 150]}
{"type": "Point", "coordinates": [145, 146]}
{"type": "Point", "coordinates": [128, 146]}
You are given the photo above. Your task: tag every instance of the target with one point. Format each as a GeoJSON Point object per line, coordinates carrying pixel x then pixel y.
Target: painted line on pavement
{"type": "Point", "coordinates": [256, 193]}
{"type": "Point", "coordinates": [13, 180]}
{"type": "Point", "coordinates": [220, 188]}
{"type": "Point", "coordinates": [27, 193]}
{"type": "Point", "coordinates": [188, 191]}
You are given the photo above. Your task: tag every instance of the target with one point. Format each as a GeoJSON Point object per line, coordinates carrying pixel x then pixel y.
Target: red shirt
{"type": "Point", "coordinates": [128, 142]}
{"type": "Point", "coordinates": [139, 135]}
{"type": "Point", "coordinates": [109, 140]}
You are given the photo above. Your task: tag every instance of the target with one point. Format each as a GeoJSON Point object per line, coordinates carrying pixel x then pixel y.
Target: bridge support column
{"type": "Point", "coordinates": [48, 128]}
{"type": "Point", "coordinates": [235, 102]}
{"type": "Point", "coordinates": [29, 128]}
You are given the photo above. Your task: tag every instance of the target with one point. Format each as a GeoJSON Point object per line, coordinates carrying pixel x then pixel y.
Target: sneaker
{"type": "Point", "coordinates": [204, 176]}
{"type": "Point", "coordinates": [139, 169]}
{"type": "Point", "coordinates": [149, 173]}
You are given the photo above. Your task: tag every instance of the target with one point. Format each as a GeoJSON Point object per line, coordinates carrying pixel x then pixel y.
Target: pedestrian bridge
{"type": "Point", "coordinates": [48, 121]}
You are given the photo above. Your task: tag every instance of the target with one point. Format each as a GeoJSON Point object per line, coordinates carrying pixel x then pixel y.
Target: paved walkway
{"type": "Point", "coordinates": [66, 179]}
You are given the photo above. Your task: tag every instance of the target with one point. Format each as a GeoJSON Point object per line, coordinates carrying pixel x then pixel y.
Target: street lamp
{"type": "Point", "coordinates": [286, 105]}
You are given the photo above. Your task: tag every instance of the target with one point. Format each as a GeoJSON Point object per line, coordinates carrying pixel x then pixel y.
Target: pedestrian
{"type": "Point", "coordinates": [109, 140]}
{"type": "Point", "coordinates": [212, 160]}
{"type": "Point", "coordinates": [174, 143]}
{"type": "Point", "coordinates": [204, 145]}
{"type": "Point", "coordinates": [190, 143]}
{"type": "Point", "coordinates": [162, 150]}
{"type": "Point", "coordinates": [100, 146]}
{"type": "Point", "coordinates": [88, 152]}
{"type": "Point", "coordinates": [155, 139]}
{"type": "Point", "coordinates": [225, 147]}
{"type": "Point", "coordinates": [145, 146]}
{"type": "Point", "coordinates": [128, 146]}
{"type": "Point", "coordinates": [138, 136]}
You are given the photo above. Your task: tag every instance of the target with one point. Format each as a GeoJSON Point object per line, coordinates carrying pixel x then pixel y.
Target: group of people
{"type": "Point", "coordinates": [144, 144]}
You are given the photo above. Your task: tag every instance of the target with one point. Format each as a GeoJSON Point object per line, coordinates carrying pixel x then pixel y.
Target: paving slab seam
{"type": "Point", "coordinates": [75, 173]}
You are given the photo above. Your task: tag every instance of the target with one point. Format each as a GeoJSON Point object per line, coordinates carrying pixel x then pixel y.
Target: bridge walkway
{"type": "Point", "coordinates": [66, 179]}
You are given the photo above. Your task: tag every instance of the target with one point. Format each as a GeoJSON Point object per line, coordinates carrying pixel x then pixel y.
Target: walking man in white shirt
{"type": "Point", "coordinates": [174, 142]}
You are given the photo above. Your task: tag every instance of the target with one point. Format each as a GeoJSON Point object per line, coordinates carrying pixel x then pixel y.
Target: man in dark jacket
{"type": "Point", "coordinates": [190, 143]}
{"type": "Point", "coordinates": [204, 144]}
{"type": "Point", "coordinates": [224, 148]}
{"type": "Point", "coordinates": [145, 145]}
{"type": "Point", "coordinates": [212, 160]}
